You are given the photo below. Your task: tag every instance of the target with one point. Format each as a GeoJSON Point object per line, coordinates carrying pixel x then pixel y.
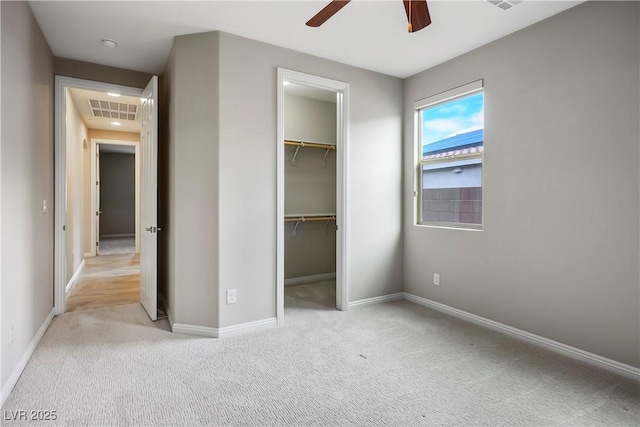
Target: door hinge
{"type": "Point", "coordinates": [97, 183]}
{"type": "Point", "coordinates": [97, 244]}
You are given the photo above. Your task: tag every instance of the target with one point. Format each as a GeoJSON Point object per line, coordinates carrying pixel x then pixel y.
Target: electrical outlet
{"type": "Point", "coordinates": [44, 206]}
{"type": "Point", "coordinates": [436, 279]}
{"type": "Point", "coordinates": [10, 335]}
{"type": "Point", "coordinates": [231, 296]}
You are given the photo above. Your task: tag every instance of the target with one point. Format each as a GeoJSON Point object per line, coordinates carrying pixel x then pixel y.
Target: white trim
{"type": "Point", "coordinates": [257, 325]}
{"type": "Point", "coordinates": [62, 83]}
{"type": "Point", "coordinates": [87, 255]}
{"type": "Point", "coordinates": [418, 105]}
{"type": "Point", "coordinates": [309, 279]}
{"type": "Point", "coordinates": [377, 300]}
{"type": "Point", "coordinates": [94, 195]}
{"type": "Point", "coordinates": [74, 279]}
{"type": "Point", "coordinates": [342, 139]}
{"type": "Point", "coordinates": [610, 365]}
{"type": "Point", "coordinates": [200, 331]}
{"type": "Point", "coordinates": [280, 198]}
{"type": "Point", "coordinates": [22, 363]}
{"type": "Point", "coordinates": [2, 337]}
{"type": "Point", "coordinates": [342, 193]}
{"type": "Point", "coordinates": [93, 183]}
{"type": "Point", "coordinates": [227, 331]}
{"type": "Point", "coordinates": [113, 236]}
{"type": "Point", "coordinates": [447, 95]}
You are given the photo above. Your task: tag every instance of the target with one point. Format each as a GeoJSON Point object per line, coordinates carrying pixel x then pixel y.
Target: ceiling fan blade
{"type": "Point", "coordinates": [326, 13]}
{"type": "Point", "coordinates": [417, 14]}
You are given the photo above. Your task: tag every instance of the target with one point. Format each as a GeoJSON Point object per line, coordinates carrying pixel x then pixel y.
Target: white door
{"type": "Point", "coordinates": [149, 200]}
{"type": "Point", "coordinates": [98, 211]}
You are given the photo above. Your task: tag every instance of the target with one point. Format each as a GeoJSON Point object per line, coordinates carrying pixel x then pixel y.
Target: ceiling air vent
{"type": "Point", "coordinates": [113, 110]}
{"type": "Point", "coordinates": [505, 4]}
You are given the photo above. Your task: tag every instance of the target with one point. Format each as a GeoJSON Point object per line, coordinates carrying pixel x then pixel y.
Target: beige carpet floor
{"type": "Point", "coordinates": [394, 363]}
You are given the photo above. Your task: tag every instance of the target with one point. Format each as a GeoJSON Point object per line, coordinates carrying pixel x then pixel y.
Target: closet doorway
{"type": "Point", "coordinates": [311, 208]}
{"type": "Point", "coordinates": [115, 198]}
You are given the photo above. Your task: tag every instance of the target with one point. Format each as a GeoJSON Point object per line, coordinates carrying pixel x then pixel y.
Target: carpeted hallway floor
{"type": "Point", "coordinates": [394, 363]}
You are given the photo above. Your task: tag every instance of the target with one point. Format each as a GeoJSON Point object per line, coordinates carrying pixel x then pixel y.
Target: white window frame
{"type": "Point", "coordinates": [430, 101]}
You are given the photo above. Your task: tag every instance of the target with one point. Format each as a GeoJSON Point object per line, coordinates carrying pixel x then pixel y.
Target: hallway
{"type": "Point", "coordinates": [106, 281]}
{"type": "Point", "coordinates": [117, 245]}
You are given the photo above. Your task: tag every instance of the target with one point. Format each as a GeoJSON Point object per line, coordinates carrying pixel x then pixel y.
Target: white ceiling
{"type": "Point", "coordinates": [81, 99]}
{"type": "Point", "coordinates": [371, 34]}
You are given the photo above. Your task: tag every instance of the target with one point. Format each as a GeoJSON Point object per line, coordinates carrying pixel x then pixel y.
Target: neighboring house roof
{"type": "Point", "coordinates": [464, 140]}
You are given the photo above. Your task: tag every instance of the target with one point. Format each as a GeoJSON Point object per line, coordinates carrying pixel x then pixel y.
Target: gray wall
{"type": "Point", "coordinates": [189, 161]}
{"type": "Point", "coordinates": [27, 176]}
{"type": "Point", "coordinates": [117, 194]}
{"type": "Point", "coordinates": [100, 73]}
{"type": "Point", "coordinates": [247, 221]}
{"type": "Point", "coordinates": [220, 112]}
{"type": "Point", "coordinates": [559, 253]}
{"type": "Point", "coordinates": [27, 180]}
{"type": "Point", "coordinates": [309, 187]}
{"type": "Point", "coordinates": [311, 251]}
{"type": "Point", "coordinates": [309, 119]}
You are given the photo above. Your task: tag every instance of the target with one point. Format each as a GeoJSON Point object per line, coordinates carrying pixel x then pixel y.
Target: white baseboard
{"type": "Point", "coordinates": [309, 279]}
{"type": "Point", "coordinates": [74, 278]}
{"type": "Point", "coordinates": [22, 363]}
{"type": "Point", "coordinates": [227, 331]}
{"type": "Point", "coordinates": [376, 300]}
{"type": "Point", "coordinates": [199, 331]}
{"type": "Point", "coordinates": [257, 325]}
{"type": "Point", "coordinates": [111, 236]}
{"type": "Point", "coordinates": [610, 365]}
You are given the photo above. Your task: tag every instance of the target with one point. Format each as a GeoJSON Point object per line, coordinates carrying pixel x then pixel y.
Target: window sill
{"type": "Point", "coordinates": [451, 226]}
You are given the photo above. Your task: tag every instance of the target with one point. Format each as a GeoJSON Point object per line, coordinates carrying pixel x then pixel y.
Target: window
{"type": "Point", "coordinates": [451, 144]}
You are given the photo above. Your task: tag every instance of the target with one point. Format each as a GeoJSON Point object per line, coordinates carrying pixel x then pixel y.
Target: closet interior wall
{"type": "Point", "coordinates": [310, 187]}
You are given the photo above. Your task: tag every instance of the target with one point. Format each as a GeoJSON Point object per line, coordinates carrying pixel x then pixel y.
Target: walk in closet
{"type": "Point", "coordinates": [310, 187]}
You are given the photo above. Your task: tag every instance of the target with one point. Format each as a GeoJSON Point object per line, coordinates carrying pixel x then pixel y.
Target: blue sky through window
{"type": "Point", "coordinates": [452, 118]}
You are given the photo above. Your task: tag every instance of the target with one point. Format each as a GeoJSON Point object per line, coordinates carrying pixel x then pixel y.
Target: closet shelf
{"type": "Point", "coordinates": [323, 145]}
{"type": "Point", "coordinates": [309, 217]}
{"type": "Point", "coordinates": [299, 144]}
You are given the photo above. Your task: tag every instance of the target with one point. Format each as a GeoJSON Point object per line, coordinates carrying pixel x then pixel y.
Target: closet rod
{"type": "Point", "coordinates": [310, 218]}
{"type": "Point", "coordinates": [310, 144]}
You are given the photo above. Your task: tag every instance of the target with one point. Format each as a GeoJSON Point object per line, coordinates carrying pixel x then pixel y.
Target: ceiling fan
{"type": "Point", "coordinates": [417, 14]}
